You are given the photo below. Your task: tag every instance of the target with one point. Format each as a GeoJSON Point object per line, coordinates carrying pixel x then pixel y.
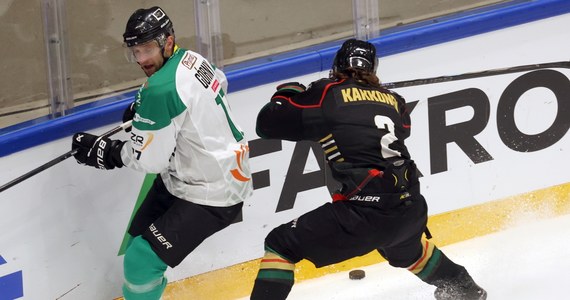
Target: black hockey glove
{"type": "Point", "coordinates": [129, 114]}
{"type": "Point", "coordinates": [102, 154]}
{"type": "Point", "coordinates": [289, 89]}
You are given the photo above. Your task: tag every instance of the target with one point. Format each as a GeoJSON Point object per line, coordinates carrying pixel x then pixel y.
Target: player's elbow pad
{"type": "Point", "coordinates": [277, 122]}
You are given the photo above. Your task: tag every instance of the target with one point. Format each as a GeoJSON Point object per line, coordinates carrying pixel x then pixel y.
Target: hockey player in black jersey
{"type": "Point", "coordinates": [361, 128]}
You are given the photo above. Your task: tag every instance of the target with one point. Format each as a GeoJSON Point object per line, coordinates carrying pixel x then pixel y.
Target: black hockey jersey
{"type": "Point", "coordinates": [354, 122]}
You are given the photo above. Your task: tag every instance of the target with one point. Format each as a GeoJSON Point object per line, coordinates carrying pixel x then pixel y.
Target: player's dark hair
{"type": "Point", "coordinates": [358, 74]}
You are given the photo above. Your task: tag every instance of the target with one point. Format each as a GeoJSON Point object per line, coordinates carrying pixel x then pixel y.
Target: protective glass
{"type": "Point", "coordinates": [141, 52]}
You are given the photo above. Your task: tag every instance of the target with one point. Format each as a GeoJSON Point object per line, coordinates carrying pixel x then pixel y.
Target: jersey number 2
{"type": "Point", "coordinates": [383, 122]}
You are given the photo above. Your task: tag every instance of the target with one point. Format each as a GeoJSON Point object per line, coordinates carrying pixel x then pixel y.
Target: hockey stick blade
{"type": "Point", "coordinates": [60, 158]}
{"type": "Point", "coordinates": [493, 72]}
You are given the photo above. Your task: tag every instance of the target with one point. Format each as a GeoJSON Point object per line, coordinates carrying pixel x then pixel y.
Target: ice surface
{"type": "Point", "coordinates": [526, 262]}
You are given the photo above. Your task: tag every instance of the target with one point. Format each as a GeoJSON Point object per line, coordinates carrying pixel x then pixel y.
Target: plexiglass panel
{"type": "Point", "coordinates": [98, 63]}
{"type": "Point", "coordinates": [23, 69]}
{"type": "Point", "coordinates": [95, 59]}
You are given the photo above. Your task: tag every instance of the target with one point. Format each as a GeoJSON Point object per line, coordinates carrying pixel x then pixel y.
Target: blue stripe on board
{"type": "Point", "coordinates": [36, 132]}
{"type": "Point", "coordinates": [280, 67]}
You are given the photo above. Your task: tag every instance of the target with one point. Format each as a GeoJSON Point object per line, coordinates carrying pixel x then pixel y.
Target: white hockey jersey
{"type": "Point", "coordinates": [184, 130]}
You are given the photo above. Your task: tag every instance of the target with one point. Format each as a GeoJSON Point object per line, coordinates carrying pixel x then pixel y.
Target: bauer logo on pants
{"type": "Point", "coordinates": [159, 236]}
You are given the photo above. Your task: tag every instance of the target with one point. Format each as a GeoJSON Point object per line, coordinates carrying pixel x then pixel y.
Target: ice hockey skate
{"type": "Point", "coordinates": [464, 288]}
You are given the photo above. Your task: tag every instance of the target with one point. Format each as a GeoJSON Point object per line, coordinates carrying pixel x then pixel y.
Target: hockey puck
{"type": "Point", "coordinates": [356, 274]}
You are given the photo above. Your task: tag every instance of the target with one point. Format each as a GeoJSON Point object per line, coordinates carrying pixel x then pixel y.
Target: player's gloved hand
{"type": "Point", "coordinates": [103, 153]}
{"type": "Point", "coordinates": [129, 114]}
{"type": "Point", "coordinates": [289, 89]}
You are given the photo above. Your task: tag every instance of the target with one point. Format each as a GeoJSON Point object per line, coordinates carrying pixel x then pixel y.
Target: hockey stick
{"type": "Point", "coordinates": [61, 158]}
{"type": "Point", "coordinates": [493, 72]}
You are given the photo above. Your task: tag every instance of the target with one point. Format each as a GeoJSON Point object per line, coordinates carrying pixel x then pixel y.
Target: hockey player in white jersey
{"type": "Point", "coordinates": [184, 131]}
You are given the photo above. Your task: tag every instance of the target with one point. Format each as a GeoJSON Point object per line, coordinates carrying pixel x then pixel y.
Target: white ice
{"type": "Point", "coordinates": [527, 262]}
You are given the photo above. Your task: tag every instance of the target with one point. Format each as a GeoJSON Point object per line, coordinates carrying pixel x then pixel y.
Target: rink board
{"type": "Point", "coordinates": [63, 228]}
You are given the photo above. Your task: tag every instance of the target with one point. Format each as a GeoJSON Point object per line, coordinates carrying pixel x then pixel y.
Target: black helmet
{"type": "Point", "coordinates": [355, 54]}
{"type": "Point", "coordinates": [147, 24]}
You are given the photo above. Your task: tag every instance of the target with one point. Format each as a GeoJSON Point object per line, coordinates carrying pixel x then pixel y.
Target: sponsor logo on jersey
{"type": "Point", "coordinates": [204, 74]}
{"type": "Point", "coordinates": [141, 141]}
{"type": "Point", "coordinates": [215, 85]}
{"type": "Point", "coordinates": [189, 60]}
{"type": "Point", "coordinates": [239, 172]}
{"type": "Point", "coordinates": [355, 94]}
{"type": "Point", "coordinates": [138, 118]}
{"type": "Point", "coordinates": [138, 96]}
{"type": "Point", "coordinates": [159, 236]}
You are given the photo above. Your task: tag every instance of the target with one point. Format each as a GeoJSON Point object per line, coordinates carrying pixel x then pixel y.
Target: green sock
{"type": "Point", "coordinates": [143, 271]}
